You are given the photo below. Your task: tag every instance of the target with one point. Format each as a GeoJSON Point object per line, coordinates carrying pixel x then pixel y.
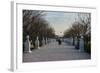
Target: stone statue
{"type": "Point", "coordinates": [46, 41]}
{"type": "Point", "coordinates": [43, 41]}
{"type": "Point", "coordinates": [27, 44]}
{"type": "Point", "coordinates": [37, 43]}
{"type": "Point", "coordinates": [81, 45]}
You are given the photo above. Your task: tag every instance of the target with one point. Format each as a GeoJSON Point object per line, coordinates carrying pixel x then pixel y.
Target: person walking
{"type": "Point", "coordinates": [59, 41]}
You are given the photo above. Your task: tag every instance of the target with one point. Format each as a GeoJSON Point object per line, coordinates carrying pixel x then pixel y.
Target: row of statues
{"type": "Point", "coordinates": [27, 44]}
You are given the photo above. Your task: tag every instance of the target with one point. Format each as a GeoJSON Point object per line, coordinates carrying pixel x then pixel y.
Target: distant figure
{"type": "Point", "coordinates": [59, 41]}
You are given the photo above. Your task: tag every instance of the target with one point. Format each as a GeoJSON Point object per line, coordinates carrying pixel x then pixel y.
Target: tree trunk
{"type": "Point", "coordinates": [78, 43]}
{"type": "Point", "coordinates": [73, 41]}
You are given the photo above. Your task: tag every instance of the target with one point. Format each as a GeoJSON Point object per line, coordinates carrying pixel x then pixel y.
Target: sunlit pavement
{"type": "Point", "coordinates": [55, 52]}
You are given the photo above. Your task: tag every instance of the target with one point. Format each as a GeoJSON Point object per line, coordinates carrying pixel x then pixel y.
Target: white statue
{"type": "Point", "coordinates": [43, 41]}
{"type": "Point", "coordinates": [46, 41]}
{"type": "Point", "coordinates": [27, 44]}
{"type": "Point", "coordinates": [37, 43]}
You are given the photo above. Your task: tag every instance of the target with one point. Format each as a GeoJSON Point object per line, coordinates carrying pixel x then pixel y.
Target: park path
{"type": "Point", "coordinates": [55, 52]}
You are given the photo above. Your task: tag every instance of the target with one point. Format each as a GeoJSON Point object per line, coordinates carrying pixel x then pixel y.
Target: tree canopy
{"type": "Point", "coordinates": [35, 25]}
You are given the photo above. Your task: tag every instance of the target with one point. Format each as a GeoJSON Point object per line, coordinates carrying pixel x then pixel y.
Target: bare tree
{"type": "Point", "coordinates": [74, 32]}
{"type": "Point", "coordinates": [85, 20]}
{"type": "Point", "coordinates": [35, 25]}
{"type": "Point", "coordinates": [81, 27]}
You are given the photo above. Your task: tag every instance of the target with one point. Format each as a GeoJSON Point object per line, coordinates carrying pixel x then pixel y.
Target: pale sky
{"type": "Point", "coordinates": [60, 21]}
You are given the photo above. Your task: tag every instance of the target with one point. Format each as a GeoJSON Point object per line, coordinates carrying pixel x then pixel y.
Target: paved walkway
{"type": "Point", "coordinates": [55, 52]}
